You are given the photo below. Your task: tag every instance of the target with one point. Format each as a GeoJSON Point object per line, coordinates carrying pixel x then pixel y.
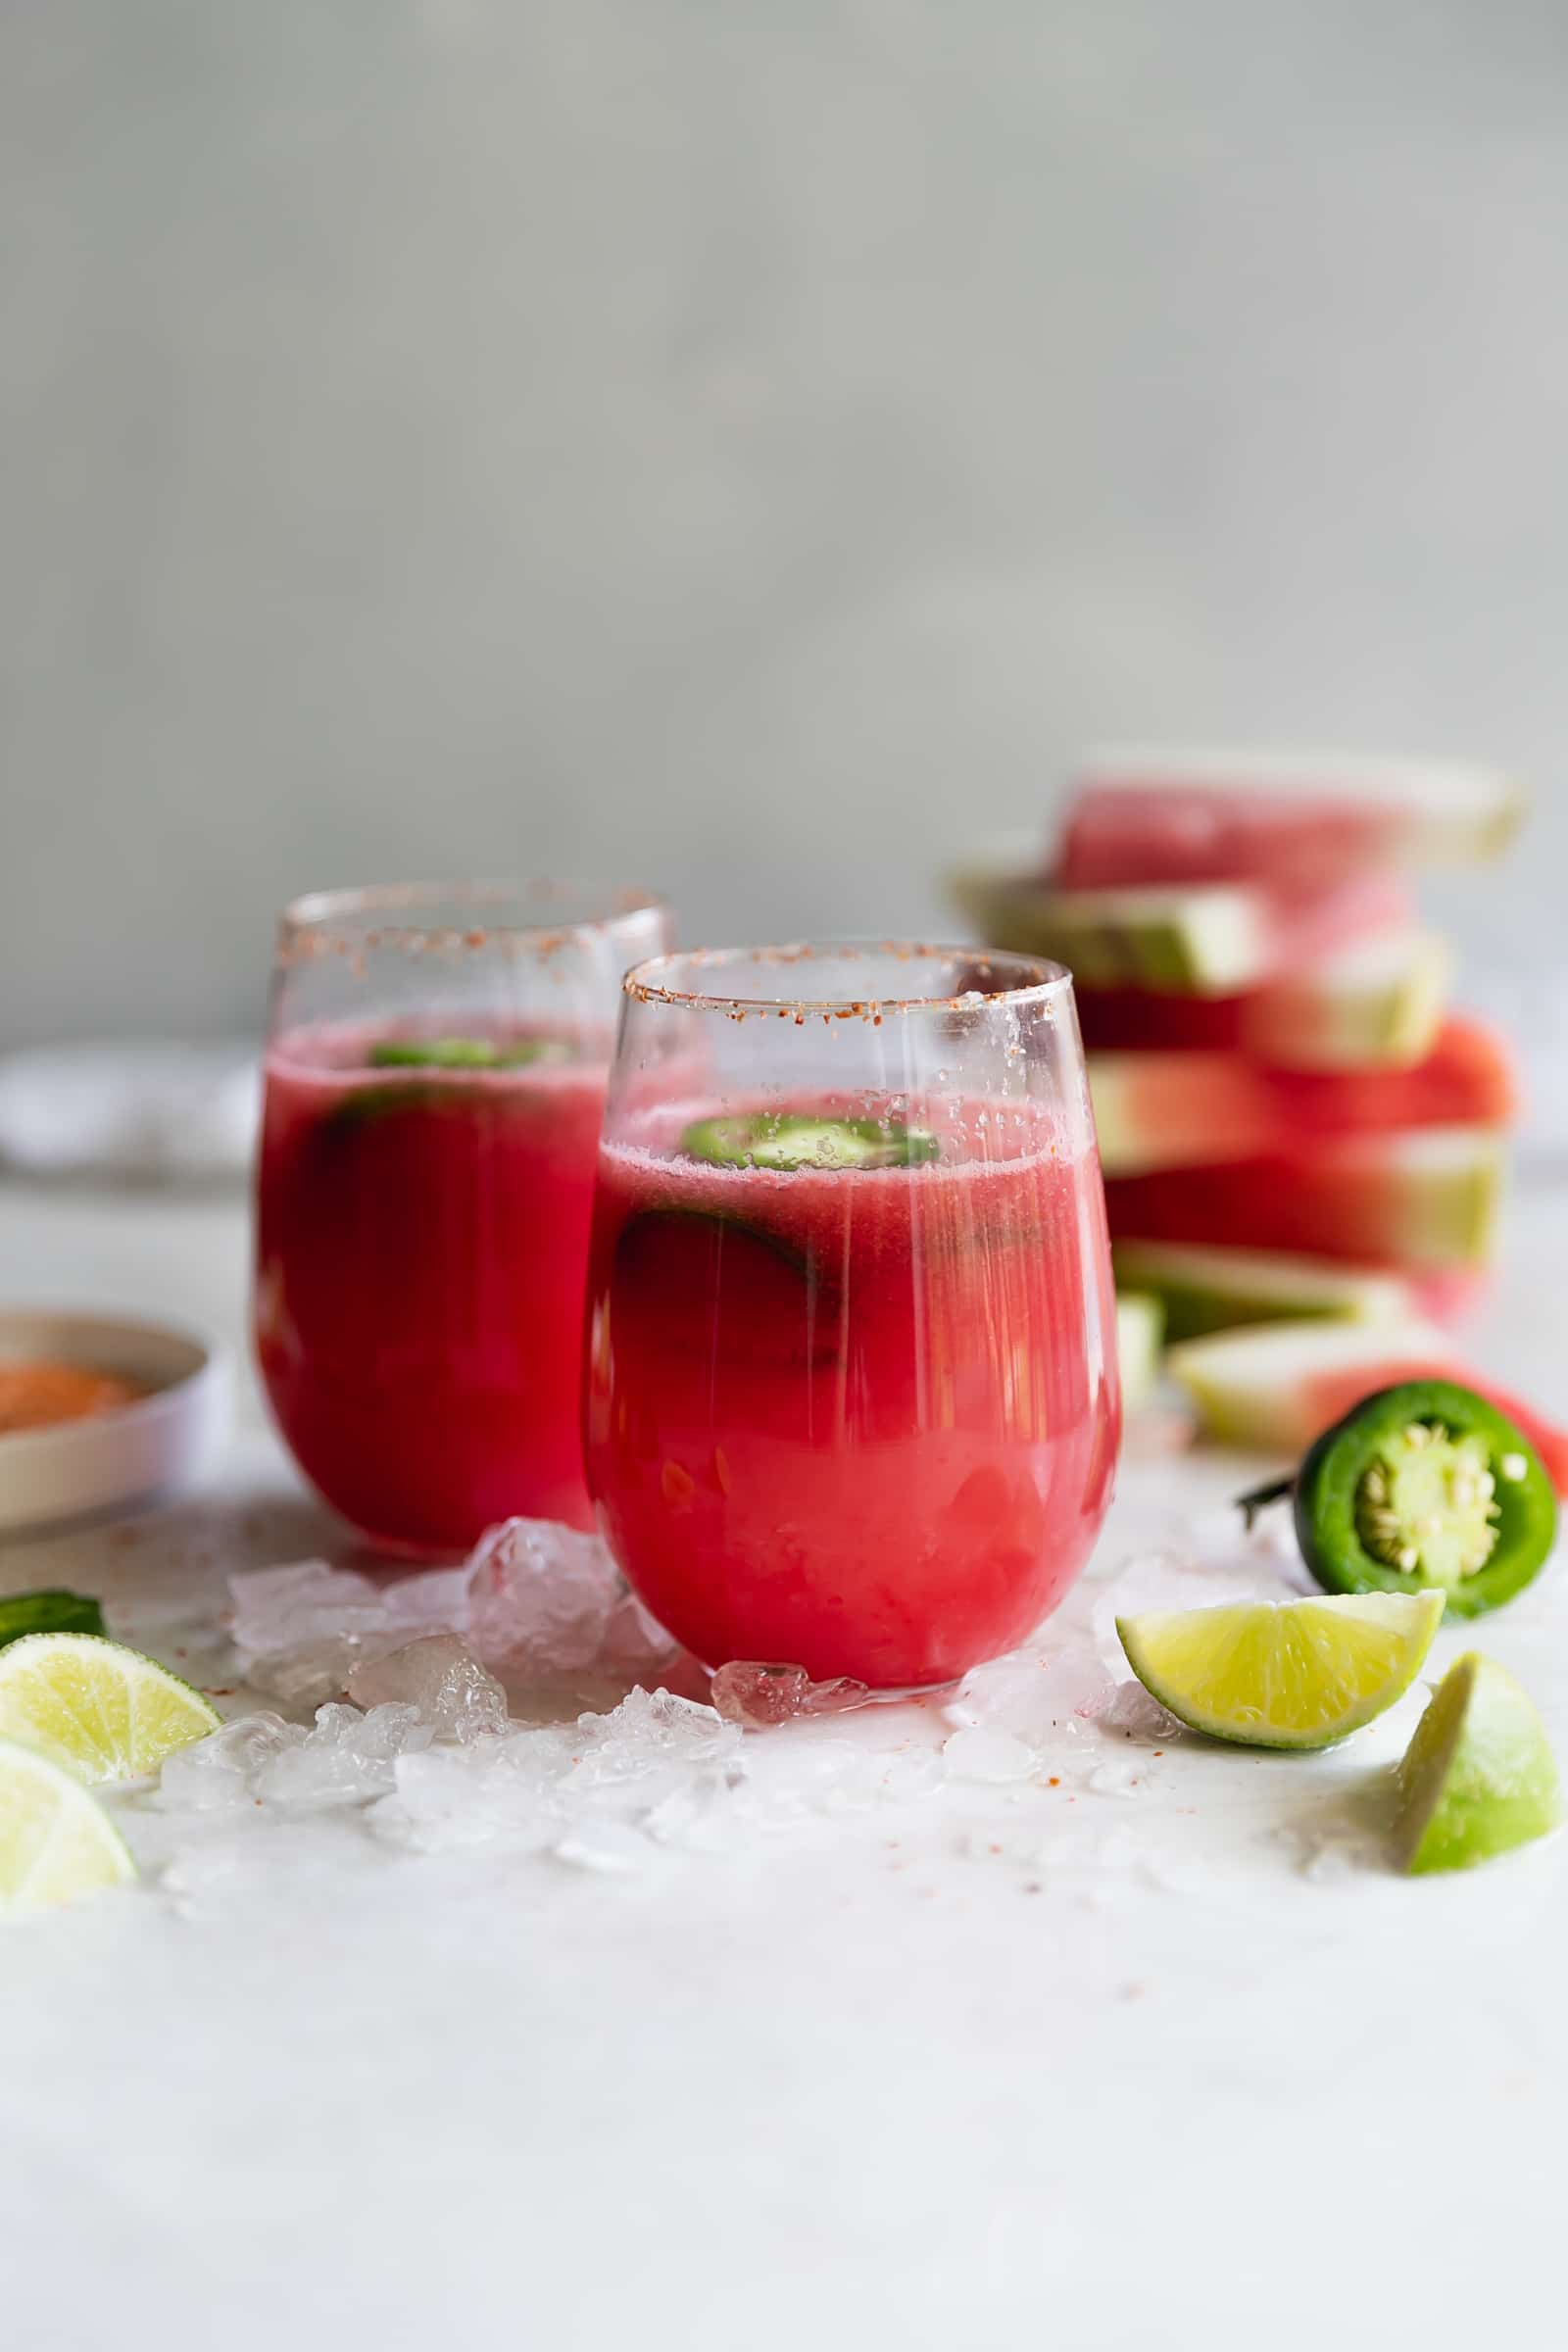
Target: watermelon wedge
{"type": "Point", "coordinates": [1140, 1326]}
{"type": "Point", "coordinates": [1296, 821]}
{"type": "Point", "coordinates": [1423, 1200]}
{"type": "Point", "coordinates": [1206, 941]}
{"type": "Point", "coordinates": [1274, 1391]}
{"type": "Point", "coordinates": [1374, 1005]}
{"type": "Point", "coordinates": [1377, 1003]}
{"type": "Point", "coordinates": [1450, 1294]}
{"type": "Point", "coordinates": [1221, 1290]}
{"type": "Point", "coordinates": [1172, 1111]}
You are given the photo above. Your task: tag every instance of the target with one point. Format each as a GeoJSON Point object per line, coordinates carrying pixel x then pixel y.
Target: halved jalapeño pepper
{"type": "Point", "coordinates": [464, 1052]}
{"type": "Point", "coordinates": [1424, 1487]}
{"type": "Point", "coordinates": [781, 1139]}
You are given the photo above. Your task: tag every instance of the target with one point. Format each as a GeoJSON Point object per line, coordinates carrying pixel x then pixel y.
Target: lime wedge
{"type": "Point", "coordinates": [56, 1842]}
{"type": "Point", "coordinates": [1478, 1778]}
{"type": "Point", "coordinates": [1283, 1674]}
{"type": "Point", "coordinates": [101, 1712]}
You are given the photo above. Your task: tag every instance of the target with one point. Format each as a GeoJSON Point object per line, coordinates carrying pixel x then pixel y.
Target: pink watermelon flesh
{"type": "Point", "coordinates": [1183, 1110]}
{"type": "Point", "coordinates": [1331, 1395]}
{"type": "Point", "coordinates": [1314, 918]}
{"type": "Point", "coordinates": [1140, 1020]}
{"type": "Point", "coordinates": [1124, 835]}
{"type": "Point", "coordinates": [1451, 1296]}
{"type": "Point", "coordinates": [1357, 1199]}
{"type": "Point", "coordinates": [1467, 1080]}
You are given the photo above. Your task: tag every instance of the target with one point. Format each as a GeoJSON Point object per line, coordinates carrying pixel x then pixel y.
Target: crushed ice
{"type": "Point", "coordinates": [534, 1600]}
{"type": "Point", "coordinates": [426, 1755]}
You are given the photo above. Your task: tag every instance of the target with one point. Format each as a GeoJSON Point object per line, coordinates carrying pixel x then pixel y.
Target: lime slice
{"type": "Point", "coordinates": [102, 1712]}
{"type": "Point", "coordinates": [1283, 1674]}
{"type": "Point", "coordinates": [56, 1842]}
{"type": "Point", "coordinates": [1478, 1778]}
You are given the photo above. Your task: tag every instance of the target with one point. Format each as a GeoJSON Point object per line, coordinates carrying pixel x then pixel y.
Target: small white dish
{"type": "Point", "coordinates": [133, 1451]}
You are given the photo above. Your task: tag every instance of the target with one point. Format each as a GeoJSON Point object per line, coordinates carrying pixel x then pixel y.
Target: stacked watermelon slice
{"type": "Point", "coordinates": [1292, 1123]}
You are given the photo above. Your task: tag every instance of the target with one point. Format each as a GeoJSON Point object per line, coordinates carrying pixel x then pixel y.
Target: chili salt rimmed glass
{"type": "Point", "coordinates": [851, 1398]}
{"type": "Point", "coordinates": [434, 1083]}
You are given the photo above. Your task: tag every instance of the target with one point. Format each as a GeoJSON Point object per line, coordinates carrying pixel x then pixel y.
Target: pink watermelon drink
{"type": "Point", "coordinates": [422, 1242]}
{"type": "Point", "coordinates": [851, 1396]}
{"type": "Point", "coordinates": [423, 1205]}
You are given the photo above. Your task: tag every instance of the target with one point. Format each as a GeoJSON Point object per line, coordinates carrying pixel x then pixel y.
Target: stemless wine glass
{"type": "Point", "coordinates": [435, 1080]}
{"type": "Point", "coordinates": [851, 1397]}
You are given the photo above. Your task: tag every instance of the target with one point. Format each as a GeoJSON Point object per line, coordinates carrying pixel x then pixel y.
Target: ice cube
{"type": "Point", "coordinates": [984, 1753]}
{"type": "Point", "coordinates": [1036, 1693]}
{"type": "Point", "coordinates": [758, 1694]}
{"type": "Point", "coordinates": [301, 1629]}
{"type": "Point", "coordinates": [346, 1760]}
{"type": "Point", "coordinates": [540, 1595]}
{"type": "Point", "coordinates": [635, 1644]}
{"type": "Point", "coordinates": [1127, 1711]}
{"type": "Point", "coordinates": [218, 1771]}
{"type": "Point", "coordinates": [494, 1791]}
{"type": "Point", "coordinates": [438, 1676]}
{"type": "Point", "coordinates": [650, 1740]}
{"type": "Point", "coordinates": [309, 1601]}
{"type": "Point", "coordinates": [304, 1678]}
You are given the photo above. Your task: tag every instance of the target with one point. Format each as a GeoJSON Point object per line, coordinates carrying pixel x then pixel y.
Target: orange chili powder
{"type": "Point", "coordinates": [37, 1393]}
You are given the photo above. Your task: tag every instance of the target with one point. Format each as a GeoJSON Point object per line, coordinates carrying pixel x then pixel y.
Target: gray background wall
{"type": "Point", "coordinates": [748, 446]}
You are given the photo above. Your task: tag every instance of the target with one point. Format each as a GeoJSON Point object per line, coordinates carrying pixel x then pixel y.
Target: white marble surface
{"type": "Point", "coordinates": [1143, 2082]}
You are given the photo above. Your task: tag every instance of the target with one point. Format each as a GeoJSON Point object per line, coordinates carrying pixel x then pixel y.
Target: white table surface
{"type": "Point", "coordinates": [876, 2088]}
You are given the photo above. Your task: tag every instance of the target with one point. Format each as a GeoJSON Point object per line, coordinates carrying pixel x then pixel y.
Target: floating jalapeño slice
{"type": "Point", "coordinates": [464, 1052]}
{"type": "Point", "coordinates": [1425, 1486]}
{"type": "Point", "coordinates": [780, 1139]}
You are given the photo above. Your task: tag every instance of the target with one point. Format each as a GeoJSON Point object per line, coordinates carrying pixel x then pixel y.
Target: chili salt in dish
{"type": "Point", "coordinates": [97, 1415]}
